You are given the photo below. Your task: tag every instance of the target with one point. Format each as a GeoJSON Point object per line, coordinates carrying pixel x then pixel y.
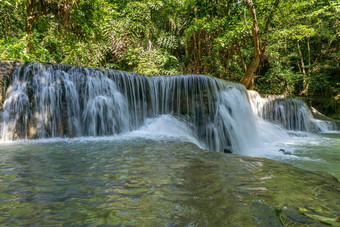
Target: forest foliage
{"type": "Point", "coordinates": [285, 47]}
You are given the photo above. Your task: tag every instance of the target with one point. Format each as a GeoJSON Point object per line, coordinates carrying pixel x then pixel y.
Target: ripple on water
{"type": "Point", "coordinates": [143, 182]}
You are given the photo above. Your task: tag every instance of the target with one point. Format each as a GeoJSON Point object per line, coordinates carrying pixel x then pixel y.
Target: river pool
{"type": "Point", "coordinates": [128, 181]}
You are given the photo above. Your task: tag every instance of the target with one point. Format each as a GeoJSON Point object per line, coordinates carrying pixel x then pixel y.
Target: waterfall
{"type": "Point", "coordinates": [51, 100]}
{"type": "Point", "coordinates": [291, 114]}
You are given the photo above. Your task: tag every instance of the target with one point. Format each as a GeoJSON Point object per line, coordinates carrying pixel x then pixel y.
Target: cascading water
{"type": "Point", "coordinates": [49, 100]}
{"type": "Point", "coordinates": [46, 102]}
{"type": "Point", "coordinates": [291, 114]}
{"type": "Point", "coordinates": [151, 171]}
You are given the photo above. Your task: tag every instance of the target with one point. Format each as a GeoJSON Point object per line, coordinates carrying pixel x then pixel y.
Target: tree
{"type": "Point", "coordinates": [278, 47]}
{"type": "Point", "coordinates": [259, 47]}
{"type": "Point", "coordinates": [61, 9]}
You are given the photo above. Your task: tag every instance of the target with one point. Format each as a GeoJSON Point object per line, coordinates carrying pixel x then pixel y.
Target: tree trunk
{"type": "Point", "coordinates": [195, 54]}
{"type": "Point", "coordinates": [149, 48]}
{"type": "Point", "coordinates": [186, 49]}
{"type": "Point", "coordinates": [29, 23]}
{"type": "Point", "coordinates": [300, 70]}
{"type": "Point", "coordinates": [306, 80]}
{"type": "Point", "coordinates": [249, 76]}
{"type": "Point", "coordinates": [199, 46]}
{"type": "Point", "coordinates": [30, 16]}
{"type": "Point", "coordinates": [238, 51]}
{"type": "Point", "coordinates": [303, 68]}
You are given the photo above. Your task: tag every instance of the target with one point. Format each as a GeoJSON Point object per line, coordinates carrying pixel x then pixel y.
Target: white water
{"type": "Point", "coordinates": [284, 124]}
{"type": "Point", "coordinates": [56, 101]}
{"type": "Point", "coordinates": [291, 114]}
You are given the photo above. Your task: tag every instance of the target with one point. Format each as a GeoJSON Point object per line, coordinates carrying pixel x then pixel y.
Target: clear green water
{"type": "Point", "coordinates": [316, 152]}
{"type": "Point", "coordinates": [140, 182]}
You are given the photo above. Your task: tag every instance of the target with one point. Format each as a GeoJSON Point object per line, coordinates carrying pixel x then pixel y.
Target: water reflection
{"type": "Point", "coordinates": [142, 182]}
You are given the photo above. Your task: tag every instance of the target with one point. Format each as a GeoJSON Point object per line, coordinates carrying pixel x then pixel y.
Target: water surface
{"type": "Point", "coordinates": [318, 152]}
{"type": "Point", "coordinates": [143, 182]}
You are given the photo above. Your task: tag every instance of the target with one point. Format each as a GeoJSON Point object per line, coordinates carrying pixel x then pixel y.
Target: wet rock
{"type": "Point", "coordinates": [227, 150]}
{"type": "Point", "coordinates": [285, 152]}
{"type": "Point", "coordinates": [291, 216]}
{"type": "Point", "coordinates": [6, 69]}
{"type": "Point", "coordinates": [265, 215]}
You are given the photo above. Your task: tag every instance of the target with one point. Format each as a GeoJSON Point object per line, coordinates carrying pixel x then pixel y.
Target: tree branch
{"type": "Point", "coordinates": [268, 23]}
{"type": "Point", "coordinates": [238, 51]}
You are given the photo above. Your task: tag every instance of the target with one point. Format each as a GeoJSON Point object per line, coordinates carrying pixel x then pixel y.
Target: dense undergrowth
{"type": "Point", "coordinates": [300, 40]}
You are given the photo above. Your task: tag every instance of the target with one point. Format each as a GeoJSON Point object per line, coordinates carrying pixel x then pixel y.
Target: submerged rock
{"type": "Point", "coordinates": [285, 152]}
{"type": "Point", "coordinates": [265, 215]}
{"type": "Point", "coordinates": [291, 216]}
